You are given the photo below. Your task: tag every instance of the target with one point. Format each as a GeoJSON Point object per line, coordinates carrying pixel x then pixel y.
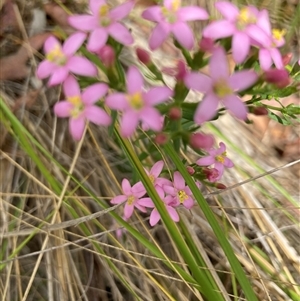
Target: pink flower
{"type": "Point", "coordinates": [154, 173]}
{"type": "Point", "coordinates": [132, 197]}
{"type": "Point", "coordinates": [221, 86]}
{"type": "Point", "coordinates": [237, 23]}
{"type": "Point", "coordinates": [269, 43]}
{"type": "Point", "coordinates": [172, 18]}
{"type": "Point", "coordinates": [181, 193]}
{"type": "Point", "coordinates": [104, 22]}
{"type": "Point", "coordinates": [137, 104]}
{"type": "Point", "coordinates": [169, 202]}
{"type": "Point", "coordinates": [81, 106]}
{"type": "Point", "coordinates": [218, 158]}
{"type": "Point", "coordinates": [60, 60]}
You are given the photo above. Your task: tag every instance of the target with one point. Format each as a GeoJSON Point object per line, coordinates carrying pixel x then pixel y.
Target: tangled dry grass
{"type": "Point", "coordinates": [55, 247]}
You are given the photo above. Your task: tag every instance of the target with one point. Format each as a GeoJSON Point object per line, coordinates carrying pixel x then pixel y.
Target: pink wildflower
{"type": "Point", "coordinates": [154, 173]}
{"type": "Point", "coordinates": [237, 23]}
{"type": "Point", "coordinates": [137, 104]}
{"type": "Point", "coordinates": [181, 193]}
{"type": "Point", "coordinates": [269, 42]}
{"type": "Point", "coordinates": [218, 158]}
{"type": "Point", "coordinates": [169, 202]}
{"type": "Point", "coordinates": [81, 106]}
{"type": "Point", "coordinates": [104, 22]}
{"type": "Point", "coordinates": [132, 197]}
{"type": "Point", "coordinates": [61, 60]}
{"type": "Point", "coordinates": [221, 86]}
{"type": "Point", "coordinates": [172, 18]}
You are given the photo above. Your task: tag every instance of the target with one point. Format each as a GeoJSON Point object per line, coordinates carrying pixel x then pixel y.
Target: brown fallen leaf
{"type": "Point", "coordinates": [14, 66]}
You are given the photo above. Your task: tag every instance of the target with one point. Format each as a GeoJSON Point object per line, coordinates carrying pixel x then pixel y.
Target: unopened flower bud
{"type": "Point", "coordinates": [143, 56]}
{"type": "Point", "coordinates": [211, 174]}
{"type": "Point", "coordinates": [220, 186]}
{"type": "Point", "coordinates": [207, 44]}
{"type": "Point", "coordinates": [175, 113]}
{"type": "Point", "coordinates": [259, 111]}
{"type": "Point", "coordinates": [286, 59]}
{"type": "Point", "coordinates": [107, 55]}
{"type": "Point", "coordinates": [190, 170]}
{"type": "Point", "coordinates": [181, 70]}
{"type": "Point", "coordinates": [278, 77]}
{"type": "Point", "coordinates": [201, 141]}
{"type": "Point", "coordinates": [161, 138]}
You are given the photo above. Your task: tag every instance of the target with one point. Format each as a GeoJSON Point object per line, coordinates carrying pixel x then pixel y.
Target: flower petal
{"type": "Point", "coordinates": [121, 11]}
{"type": "Point", "coordinates": [240, 47]}
{"type": "Point", "coordinates": [58, 76]}
{"type": "Point", "coordinates": [158, 36]}
{"type": "Point", "coordinates": [205, 161]}
{"type": "Point", "coordinates": [219, 29]}
{"type": "Point", "coordinates": [71, 87]}
{"type": "Point", "coordinates": [83, 22]}
{"type": "Point", "coordinates": [134, 80]}
{"type": "Point", "coordinates": [228, 163]}
{"type": "Point", "coordinates": [189, 203]}
{"type": "Point", "coordinates": [178, 180]}
{"type": "Point", "coordinates": [277, 58]}
{"type": "Point", "coordinates": [173, 213]}
{"type": "Point", "coordinates": [183, 35]}
{"type": "Point", "coordinates": [82, 66]}
{"type": "Point", "coordinates": [45, 69]}
{"type": "Point", "coordinates": [236, 106]}
{"type": "Point", "coordinates": [97, 39]}
{"type": "Point", "coordinates": [120, 33]}
{"type": "Point", "coordinates": [153, 13]}
{"type": "Point", "coordinates": [222, 148]}
{"type": "Point", "coordinates": [76, 127]}
{"type": "Point", "coordinates": [62, 109]}
{"type": "Point", "coordinates": [126, 187]}
{"type": "Point", "coordinates": [129, 123]}
{"type": "Point", "coordinates": [141, 208]}
{"type": "Point", "coordinates": [206, 110]}
{"type": "Point", "coordinates": [227, 9]}
{"type": "Point", "coordinates": [192, 13]}
{"type": "Point", "coordinates": [198, 81]}
{"type": "Point", "coordinates": [242, 80]}
{"type": "Point", "coordinates": [169, 190]}
{"type": "Point", "coordinates": [73, 43]}
{"type": "Point", "coordinates": [265, 59]}
{"type": "Point", "coordinates": [95, 5]}
{"type": "Point", "coordinates": [128, 210]}
{"type": "Point", "coordinates": [152, 118]}
{"type": "Point", "coordinates": [117, 101]}
{"type": "Point", "coordinates": [97, 115]}
{"type": "Point", "coordinates": [146, 202]}
{"type": "Point", "coordinates": [118, 199]}
{"type": "Point", "coordinates": [157, 168]}
{"type": "Point", "coordinates": [218, 64]}
{"type": "Point", "coordinates": [51, 43]}
{"type": "Point", "coordinates": [94, 93]}
{"type": "Point", "coordinates": [154, 217]}
{"type": "Point", "coordinates": [157, 95]}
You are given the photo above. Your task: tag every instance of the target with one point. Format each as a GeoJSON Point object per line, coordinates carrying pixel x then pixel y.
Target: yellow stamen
{"type": "Point", "coordinates": [245, 18]}
{"type": "Point", "coordinates": [182, 196]}
{"type": "Point", "coordinates": [56, 56]}
{"type": "Point", "coordinates": [278, 34]}
{"type": "Point", "coordinates": [222, 89]}
{"type": "Point", "coordinates": [176, 5]}
{"type": "Point", "coordinates": [220, 159]}
{"type": "Point", "coordinates": [152, 178]}
{"type": "Point", "coordinates": [136, 100]}
{"type": "Point", "coordinates": [130, 200]}
{"type": "Point", "coordinates": [103, 11]}
{"type": "Point", "coordinates": [78, 106]}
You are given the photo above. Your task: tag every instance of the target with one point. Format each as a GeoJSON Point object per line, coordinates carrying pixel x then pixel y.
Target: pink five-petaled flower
{"type": "Point", "coordinates": [155, 172]}
{"type": "Point", "coordinates": [132, 197]}
{"type": "Point", "coordinates": [269, 42]}
{"type": "Point", "coordinates": [169, 201]}
{"type": "Point", "coordinates": [103, 23]}
{"type": "Point", "coordinates": [81, 106]}
{"type": "Point", "coordinates": [172, 18]}
{"type": "Point", "coordinates": [237, 23]}
{"type": "Point", "coordinates": [221, 86]}
{"type": "Point", "coordinates": [181, 193]}
{"type": "Point", "coordinates": [60, 60]}
{"type": "Point", "coordinates": [218, 158]}
{"type": "Point", "coordinates": [138, 104]}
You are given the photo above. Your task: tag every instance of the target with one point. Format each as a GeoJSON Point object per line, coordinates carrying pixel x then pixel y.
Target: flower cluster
{"type": "Point", "coordinates": [88, 95]}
